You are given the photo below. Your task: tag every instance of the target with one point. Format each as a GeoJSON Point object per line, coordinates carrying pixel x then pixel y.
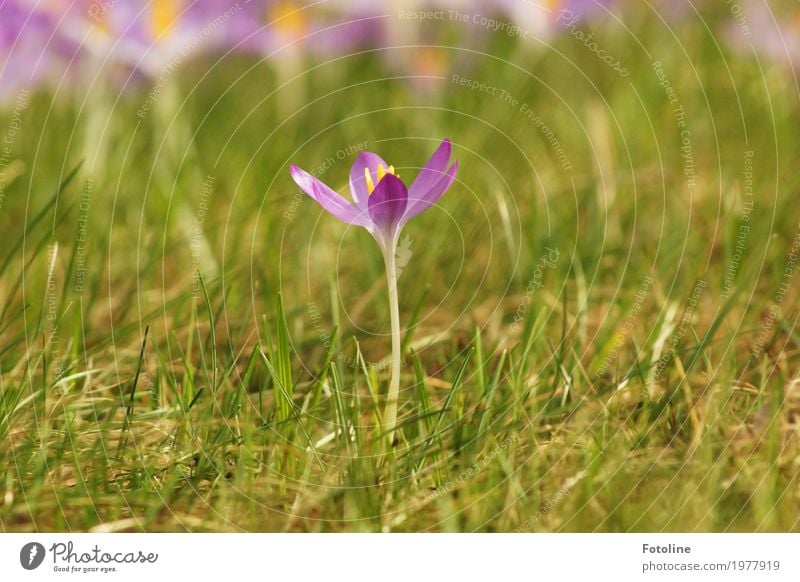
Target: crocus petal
{"type": "Point", "coordinates": [432, 172]}
{"type": "Point", "coordinates": [328, 198]}
{"type": "Point", "coordinates": [432, 195]}
{"type": "Point", "coordinates": [358, 182]}
{"type": "Point", "coordinates": [387, 203]}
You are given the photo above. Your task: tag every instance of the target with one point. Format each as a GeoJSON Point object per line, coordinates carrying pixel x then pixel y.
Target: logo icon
{"type": "Point", "coordinates": [404, 254]}
{"type": "Point", "coordinates": [31, 555]}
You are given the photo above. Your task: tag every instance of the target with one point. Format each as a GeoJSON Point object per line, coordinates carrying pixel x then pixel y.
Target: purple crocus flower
{"type": "Point", "coordinates": [381, 201]}
{"type": "Point", "coordinates": [383, 204]}
{"type": "Point", "coordinates": [772, 29]}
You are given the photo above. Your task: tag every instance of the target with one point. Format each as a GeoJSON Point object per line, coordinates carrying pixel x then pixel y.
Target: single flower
{"type": "Point", "coordinates": [383, 204]}
{"type": "Point", "coordinates": [381, 201]}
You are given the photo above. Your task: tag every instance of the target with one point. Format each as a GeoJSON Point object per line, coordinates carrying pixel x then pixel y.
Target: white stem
{"type": "Point", "coordinates": [390, 412]}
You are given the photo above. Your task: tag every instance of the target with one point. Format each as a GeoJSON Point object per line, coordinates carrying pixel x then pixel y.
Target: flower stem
{"type": "Point", "coordinates": [390, 412]}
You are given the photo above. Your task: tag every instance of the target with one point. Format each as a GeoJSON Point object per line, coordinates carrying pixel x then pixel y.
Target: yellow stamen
{"type": "Point", "coordinates": [370, 185]}
{"type": "Point", "coordinates": [288, 19]}
{"type": "Point", "coordinates": [431, 62]}
{"type": "Point", "coordinates": [163, 15]}
{"type": "Point", "coordinates": [381, 172]}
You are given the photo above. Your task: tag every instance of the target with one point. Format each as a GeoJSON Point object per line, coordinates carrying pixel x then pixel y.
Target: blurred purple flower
{"type": "Point", "coordinates": [32, 50]}
{"type": "Point", "coordinates": [147, 36]}
{"type": "Point", "coordinates": [543, 18]}
{"type": "Point", "coordinates": [772, 29]}
{"type": "Point", "coordinates": [275, 26]}
{"type": "Point", "coordinates": [39, 37]}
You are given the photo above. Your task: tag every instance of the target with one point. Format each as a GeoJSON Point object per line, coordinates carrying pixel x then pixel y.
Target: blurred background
{"type": "Point", "coordinates": [623, 126]}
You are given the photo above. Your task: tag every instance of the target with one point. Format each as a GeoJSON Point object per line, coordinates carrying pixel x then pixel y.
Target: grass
{"type": "Point", "coordinates": [596, 345]}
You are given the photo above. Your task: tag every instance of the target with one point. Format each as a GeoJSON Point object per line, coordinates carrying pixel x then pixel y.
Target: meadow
{"type": "Point", "coordinates": [599, 318]}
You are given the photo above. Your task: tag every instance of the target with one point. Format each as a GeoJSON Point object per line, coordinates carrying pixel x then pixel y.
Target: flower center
{"type": "Point", "coordinates": [163, 15]}
{"type": "Point", "coordinates": [381, 173]}
{"type": "Point", "coordinates": [288, 19]}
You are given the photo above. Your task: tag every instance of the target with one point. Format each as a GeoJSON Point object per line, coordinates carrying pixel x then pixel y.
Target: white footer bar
{"type": "Point", "coordinates": [400, 557]}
